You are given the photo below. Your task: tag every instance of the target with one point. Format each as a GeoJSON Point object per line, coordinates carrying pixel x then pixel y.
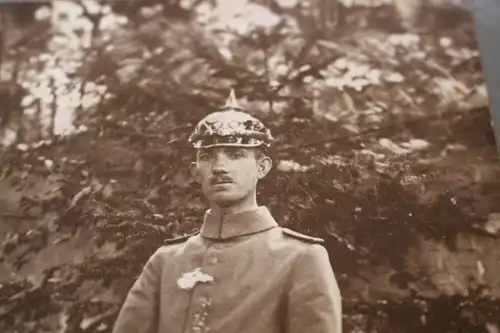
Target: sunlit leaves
{"type": "Point", "coordinates": [240, 16]}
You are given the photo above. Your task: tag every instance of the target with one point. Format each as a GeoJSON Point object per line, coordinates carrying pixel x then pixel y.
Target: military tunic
{"type": "Point", "coordinates": [265, 280]}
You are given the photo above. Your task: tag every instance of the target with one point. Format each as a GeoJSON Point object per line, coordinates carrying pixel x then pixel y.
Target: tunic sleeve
{"type": "Point", "coordinates": [139, 313]}
{"type": "Point", "coordinates": [314, 301]}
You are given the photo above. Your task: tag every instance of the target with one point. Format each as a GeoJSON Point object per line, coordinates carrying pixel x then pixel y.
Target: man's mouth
{"type": "Point", "coordinates": [220, 181]}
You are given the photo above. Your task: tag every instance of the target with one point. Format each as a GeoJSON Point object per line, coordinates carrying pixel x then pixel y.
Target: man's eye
{"type": "Point", "coordinates": [204, 156]}
{"type": "Point", "coordinates": [236, 154]}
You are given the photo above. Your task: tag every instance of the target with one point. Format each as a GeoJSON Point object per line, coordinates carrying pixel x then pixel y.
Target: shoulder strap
{"type": "Point", "coordinates": [302, 237]}
{"type": "Point", "coordinates": [179, 239]}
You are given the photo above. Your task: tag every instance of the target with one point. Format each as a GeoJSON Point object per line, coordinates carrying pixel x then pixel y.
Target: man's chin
{"type": "Point", "coordinates": [224, 199]}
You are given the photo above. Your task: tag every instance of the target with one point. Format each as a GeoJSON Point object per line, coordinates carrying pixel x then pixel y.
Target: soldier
{"type": "Point", "coordinates": [241, 273]}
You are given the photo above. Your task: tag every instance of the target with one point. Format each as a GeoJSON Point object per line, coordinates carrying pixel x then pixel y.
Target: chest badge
{"type": "Point", "coordinates": [188, 280]}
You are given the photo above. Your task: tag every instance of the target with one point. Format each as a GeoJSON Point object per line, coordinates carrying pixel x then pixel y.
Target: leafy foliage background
{"type": "Point", "coordinates": [384, 149]}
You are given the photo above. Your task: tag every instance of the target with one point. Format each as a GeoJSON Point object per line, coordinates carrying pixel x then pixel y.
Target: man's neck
{"type": "Point", "coordinates": [240, 223]}
{"type": "Point", "coordinates": [233, 208]}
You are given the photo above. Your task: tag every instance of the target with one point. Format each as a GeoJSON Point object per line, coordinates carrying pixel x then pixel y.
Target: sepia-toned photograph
{"type": "Point", "coordinates": [246, 166]}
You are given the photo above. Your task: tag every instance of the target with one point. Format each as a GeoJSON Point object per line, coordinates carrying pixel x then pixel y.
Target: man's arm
{"type": "Point", "coordinates": [314, 302]}
{"type": "Point", "coordinates": [139, 313]}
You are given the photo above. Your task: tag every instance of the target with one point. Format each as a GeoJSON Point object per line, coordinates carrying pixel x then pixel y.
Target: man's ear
{"type": "Point", "coordinates": [265, 164]}
{"type": "Point", "coordinates": [193, 168]}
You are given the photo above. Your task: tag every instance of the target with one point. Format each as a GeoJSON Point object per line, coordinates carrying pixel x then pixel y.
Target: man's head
{"type": "Point", "coordinates": [230, 157]}
{"type": "Point", "coordinates": [229, 174]}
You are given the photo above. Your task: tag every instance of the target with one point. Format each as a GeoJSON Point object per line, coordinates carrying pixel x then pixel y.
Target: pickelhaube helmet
{"type": "Point", "coordinates": [230, 126]}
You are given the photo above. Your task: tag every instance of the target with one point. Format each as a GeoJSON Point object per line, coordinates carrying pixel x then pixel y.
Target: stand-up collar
{"type": "Point", "coordinates": [237, 224]}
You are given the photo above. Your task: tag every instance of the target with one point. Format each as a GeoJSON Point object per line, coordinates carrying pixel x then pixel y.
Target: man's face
{"type": "Point", "coordinates": [229, 174]}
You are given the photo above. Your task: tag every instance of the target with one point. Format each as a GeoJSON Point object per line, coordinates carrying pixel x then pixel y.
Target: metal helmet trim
{"type": "Point", "coordinates": [230, 126]}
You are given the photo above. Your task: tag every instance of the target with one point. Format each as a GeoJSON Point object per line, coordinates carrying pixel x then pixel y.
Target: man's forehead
{"type": "Point", "coordinates": [226, 149]}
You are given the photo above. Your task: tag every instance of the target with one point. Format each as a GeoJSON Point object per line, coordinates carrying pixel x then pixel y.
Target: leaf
{"type": "Point", "coordinates": [415, 144]}
{"type": "Point", "coordinates": [408, 11]}
{"type": "Point", "coordinates": [87, 322]}
{"type": "Point", "coordinates": [128, 69]}
{"type": "Point", "coordinates": [79, 196]}
{"type": "Point", "coordinates": [107, 296]}
{"type": "Point", "coordinates": [107, 250]}
{"type": "Point", "coordinates": [348, 101]}
{"type": "Point", "coordinates": [107, 191]}
{"type": "Point", "coordinates": [492, 226]}
{"type": "Point", "coordinates": [287, 3]}
{"type": "Point", "coordinates": [456, 147]}
{"type": "Point", "coordinates": [351, 128]}
{"type": "Point", "coordinates": [480, 270]}
{"type": "Point", "coordinates": [49, 164]}
{"type": "Point", "coordinates": [394, 77]}
{"type": "Point", "coordinates": [445, 42]}
{"type": "Point", "coordinates": [61, 239]}
{"type": "Point", "coordinates": [329, 44]}
{"type": "Point", "coordinates": [393, 147]}
{"type": "Point", "coordinates": [401, 279]}
{"type": "Point", "coordinates": [492, 327]}
{"type": "Point", "coordinates": [22, 147]}
{"type": "Point", "coordinates": [292, 166]}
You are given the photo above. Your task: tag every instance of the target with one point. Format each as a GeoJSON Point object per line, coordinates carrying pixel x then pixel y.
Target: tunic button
{"type": "Point", "coordinates": [214, 260]}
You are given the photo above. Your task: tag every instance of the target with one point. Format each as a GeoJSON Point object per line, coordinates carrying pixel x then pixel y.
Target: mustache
{"type": "Point", "coordinates": [220, 179]}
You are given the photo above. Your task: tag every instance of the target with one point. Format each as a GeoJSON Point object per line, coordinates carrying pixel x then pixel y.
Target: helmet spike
{"type": "Point", "coordinates": [231, 102]}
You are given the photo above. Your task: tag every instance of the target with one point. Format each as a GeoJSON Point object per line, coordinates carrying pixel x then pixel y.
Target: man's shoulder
{"type": "Point", "coordinates": [292, 234]}
{"type": "Point", "coordinates": [169, 246]}
{"type": "Point", "coordinates": [179, 239]}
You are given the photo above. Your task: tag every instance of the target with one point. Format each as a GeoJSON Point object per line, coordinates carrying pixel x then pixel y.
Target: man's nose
{"type": "Point", "coordinates": [220, 163]}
